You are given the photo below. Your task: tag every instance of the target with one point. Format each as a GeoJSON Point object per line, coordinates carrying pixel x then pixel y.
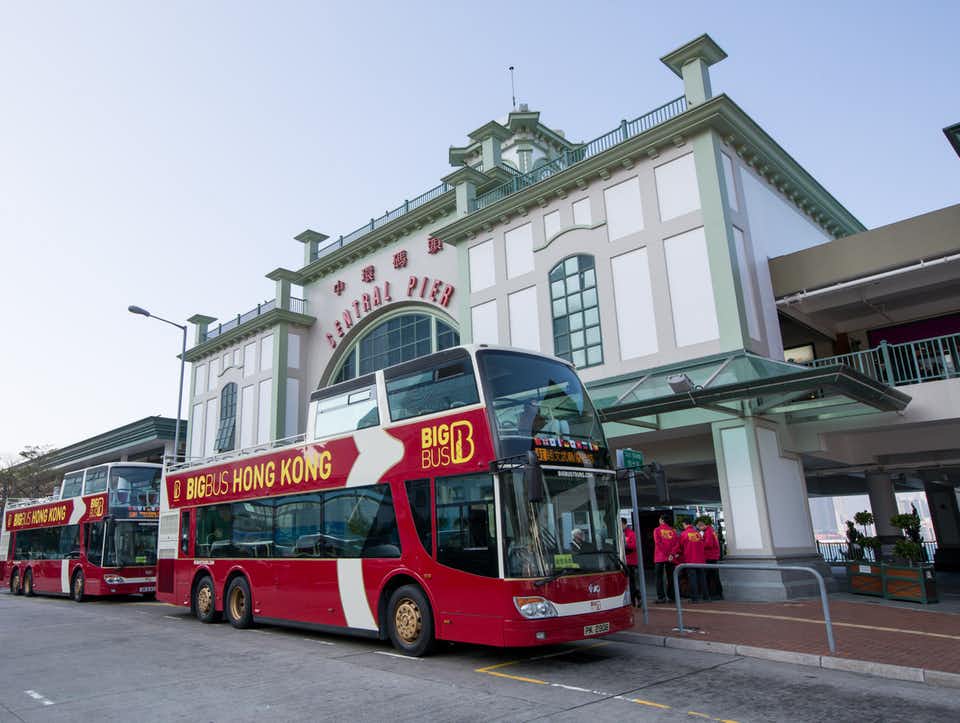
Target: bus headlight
{"type": "Point", "coordinates": [535, 607]}
{"type": "Point", "coordinates": [113, 580]}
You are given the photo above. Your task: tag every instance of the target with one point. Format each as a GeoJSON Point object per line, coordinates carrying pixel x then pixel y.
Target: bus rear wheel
{"type": "Point", "coordinates": [239, 605]}
{"type": "Point", "coordinates": [15, 588]}
{"type": "Point", "coordinates": [205, 601]}
{"type": "Point", "coordinates": [410, 621]}
{"type": "Point", "coordinates": [28, 584]}
{"type": "Point", "coordinates": [76, 587]}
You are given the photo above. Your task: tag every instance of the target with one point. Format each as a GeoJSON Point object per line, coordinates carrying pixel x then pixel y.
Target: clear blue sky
{"type": "Point", "coordinates": [164, 154]}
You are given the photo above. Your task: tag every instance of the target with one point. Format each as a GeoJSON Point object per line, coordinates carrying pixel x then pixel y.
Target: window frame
{"type": "Point", "coordinates": [561, 324]}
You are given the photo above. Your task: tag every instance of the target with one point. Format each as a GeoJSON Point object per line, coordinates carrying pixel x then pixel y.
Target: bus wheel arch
{"type": "Point", "coordinates": [28, 583]}
{"type": "Point", "coordinates": [203, 598]}
{"type": "Point", "coordinates": [15, 587]}
{"type": "Point", "coordinates": [386, 592]}
{"type": "Point", "coordinates": [410, 620]}
{"type": "Point", "coordinates": [238, 601]}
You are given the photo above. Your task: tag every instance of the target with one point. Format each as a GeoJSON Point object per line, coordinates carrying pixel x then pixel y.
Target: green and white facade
{"type": "Point", "coordinates": [640, 254]}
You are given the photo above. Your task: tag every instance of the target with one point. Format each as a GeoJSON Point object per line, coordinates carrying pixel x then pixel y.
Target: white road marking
{"type": "Point", "coordinates": [38, 697]}
{"type": "Point", "coordinates": [319, 642]}
{"type": "Point", "coordinates": [398, 655]}
{"type": "Point", "coordinates": [176, 617]}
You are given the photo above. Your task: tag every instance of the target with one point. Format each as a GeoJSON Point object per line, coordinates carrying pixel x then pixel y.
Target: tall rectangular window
{"type": "Point", "coordinates": [196, 431]}
{"type": "Point", "coordinates": [480, 257]}
{"type": "Point", "coordinates": [250, 359]}
{"type": "Point", "coordinates": [581, 213]}
{"type": "Point", "coordinates": [728, 179]}
{"type": "Point", "coordinates": [246, 416]}
{"type": "Point", "coordinates": [293, 351]}
{"type": "Point", "coordinates": [691, 288]}
{"type": "Point", "coordinates": [292, 412]}
{"type": "Point", "coordinates": [214, 375]}
{"type": "Point", "coordinates": [210, 429]}
{"type": "Point", "coordinates": [483, 319]}
{"type": "Point", "coordinates": [266, 353]}
{"type": "Point", "coordinates": [677, 191]}
{"type": "Point", "coordinates": [551, 224]}
{"type": "Point", "coordinates": [636, 321]}
{"type": "Point", "coordinates": [519, 249]}
{"type": "Point", "coordinates": [624, 211]}
{"type": "Point", "coordinates": [524, 320]}
{"type": "Point", "coordinates": [264, 411]}
{"type": "Point", "coordinates": [199, 379]}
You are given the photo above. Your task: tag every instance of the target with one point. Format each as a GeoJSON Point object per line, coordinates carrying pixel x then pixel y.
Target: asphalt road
{"type": "Point", "coordinates": [145, 661]}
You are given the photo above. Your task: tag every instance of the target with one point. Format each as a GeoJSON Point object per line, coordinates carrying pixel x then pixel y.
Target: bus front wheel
{"type": "Point", "coordinates": [76, 587]}
{"type": "Point", "coordinates": [28, 584]}
{"type": "Point", "coordinates": [15, 583]}
{"type": "Point", "coordinates": [205, 601]}
{"type": "Point", "coordinates": [239, 605]}
{"type": "Point", "coordinates": [410, 621]}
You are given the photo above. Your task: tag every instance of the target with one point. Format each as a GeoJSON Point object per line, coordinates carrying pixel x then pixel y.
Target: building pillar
{"type": "Point", "coordinates": [883, 505]}
{"type": "Point", "coordinates": [311, 241]}
{"type": "Point", "coordinates": [692, 62]}
{"type": "Point", "coordinates": [202, 324]}
{"type": "Point", "coordinates": [945, 514]}
{"type": "Point", "coordinates": [766, 513]}
{"type": "Point", "coordinates": [278, 415]}
{"type": "Point", "coordinates": [283, 278]}
{"type": "Point", "coordinates": [465, 181]}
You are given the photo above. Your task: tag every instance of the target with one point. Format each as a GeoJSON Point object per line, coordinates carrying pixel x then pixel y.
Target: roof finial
{"type": "Point", "coordinates": [513, 89]}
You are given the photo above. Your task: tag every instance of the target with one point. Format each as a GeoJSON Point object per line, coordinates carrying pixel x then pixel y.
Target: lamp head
{"type": "Point", "coordinates": [138, 310]}
{"type": "Point", "coordinates": [680, 383]}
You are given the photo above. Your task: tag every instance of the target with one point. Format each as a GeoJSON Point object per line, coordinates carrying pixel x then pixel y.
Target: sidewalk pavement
{"type": "Point", "coordinates": [918, 638]}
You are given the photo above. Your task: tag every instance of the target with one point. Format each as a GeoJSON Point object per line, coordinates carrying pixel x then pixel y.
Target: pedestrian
{"type": "Point", "coordinates": [630, 547]}
{"type": "Point", "coordinates": [665, 546]}
{"type": "Point", "coordinates": [691, 548]}
{"type": "Point", "coordinates": [711, 552]}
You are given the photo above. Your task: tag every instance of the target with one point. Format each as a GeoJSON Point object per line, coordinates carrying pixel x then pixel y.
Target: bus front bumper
{"type": "Point", "coordinates": [522, 633]}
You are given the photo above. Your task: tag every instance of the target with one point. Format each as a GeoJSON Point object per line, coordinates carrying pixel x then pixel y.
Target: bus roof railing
{"type": "Point", "coordinates": [175, 464]}
{"type": "Point", "coordinates": [13, 504]}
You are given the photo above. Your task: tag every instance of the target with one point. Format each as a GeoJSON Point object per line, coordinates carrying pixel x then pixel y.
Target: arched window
{"type": "Point", "coordinates": [576, 312]}
{"type": "Point", "coordinates": [226, 433]}
{"type": "Point", "coordinates": [394, 340]}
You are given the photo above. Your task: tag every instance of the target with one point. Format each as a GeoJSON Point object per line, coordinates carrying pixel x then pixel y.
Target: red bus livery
{"type": "Point", "coordinates": [466, 496]}
{"type": "Point", "coordinates": [96, 536]}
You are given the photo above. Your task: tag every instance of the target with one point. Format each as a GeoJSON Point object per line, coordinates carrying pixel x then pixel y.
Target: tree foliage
{"type": "Point", "coordinates": [27, 475]}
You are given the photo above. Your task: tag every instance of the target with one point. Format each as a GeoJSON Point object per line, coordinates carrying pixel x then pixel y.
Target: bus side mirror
{"type": "Point", "coordinates": [533, 478]}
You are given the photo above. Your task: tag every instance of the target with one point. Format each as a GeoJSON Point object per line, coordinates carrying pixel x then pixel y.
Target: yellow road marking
{"type": "Point", "coordinates": [650, 703]}
{"type": "Point", "coordinates": [699, 715]}
{"type": "Point", "coordinates": [517, 677]}
{"type": "Point", "coordinates": [820, 622]}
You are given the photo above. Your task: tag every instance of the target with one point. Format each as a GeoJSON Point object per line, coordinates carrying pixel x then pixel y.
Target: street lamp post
{"type": "Point", "coordinates": [183, 354]}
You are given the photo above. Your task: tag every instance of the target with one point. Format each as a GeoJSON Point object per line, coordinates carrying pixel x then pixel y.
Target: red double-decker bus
{"type": "Point", "coordinates": [96, 536]}
{"type": "Point", "coordinates": [466, 496]}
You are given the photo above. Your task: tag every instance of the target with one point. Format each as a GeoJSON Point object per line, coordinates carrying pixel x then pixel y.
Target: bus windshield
{"type": "Point", "coordinates": [130, 543]}
{"type": "Point", "coordinates": [134, 491]}
{"type": "Point", "coordinates": [574, 527]}
{"type": "Point", "coordinates": [540, 404]}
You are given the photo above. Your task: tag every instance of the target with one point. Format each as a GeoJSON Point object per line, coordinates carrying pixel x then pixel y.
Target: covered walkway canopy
{"type": "Point", "coordinates": [737, 384]}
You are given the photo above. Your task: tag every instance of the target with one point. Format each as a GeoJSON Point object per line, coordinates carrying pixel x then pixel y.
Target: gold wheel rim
{"type": "Point", "coordinates": [77, 586]}
{"type": "Point", "coordinates": [28, 584]}
{"type": "Point", "coordinates": [204, 600]}
{"type": "Point", "coordinates": [408, 620]}
{"type": "Point", "coordinates": [238, 603]}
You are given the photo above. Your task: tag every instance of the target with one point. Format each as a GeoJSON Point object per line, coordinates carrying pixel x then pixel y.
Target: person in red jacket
{"type": "Point", "coordinates": [691, 549]}
{"type": "Point", "coordinates": [665, 548]}
{"type": "Point", "coordinates": [630, 547]}
{"type": "Point", "coordinates": [711, 551]}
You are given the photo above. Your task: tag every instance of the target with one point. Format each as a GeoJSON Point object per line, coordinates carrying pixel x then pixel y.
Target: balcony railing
{"type": "Point", "coordinates": [911, 362]}
{"type": "Point", "coordinates": [296, 305]}
{"type": "Point", "coordinates": [626, 130]}
{"type": "Point", "coordinates": [837, 551]}
{"type": "Point", "coordinates": [376, 223]}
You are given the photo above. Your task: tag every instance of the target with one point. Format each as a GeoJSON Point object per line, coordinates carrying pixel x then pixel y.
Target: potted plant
{"type": "Point", "coordinates": [909, 576]}
{"type": "Point", "coordinates": [864, 576]}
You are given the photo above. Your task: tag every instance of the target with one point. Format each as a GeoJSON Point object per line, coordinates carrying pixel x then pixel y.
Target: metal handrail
{"type": "Point", "coordinates": [910, 362]}
{"type": "Point", "coordinates": [824, 601]}
{"type": "Point", "coordinates": [172, 465]}
{"type": "Point", "coordinates": [626, 130]}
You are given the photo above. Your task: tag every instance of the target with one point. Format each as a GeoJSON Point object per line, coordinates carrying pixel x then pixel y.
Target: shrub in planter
{"type": "Point", "coordinates": [908, 550]}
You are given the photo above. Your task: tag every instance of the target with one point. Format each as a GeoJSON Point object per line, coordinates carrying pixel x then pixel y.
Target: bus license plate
{"type": "Point", "coordinates": [153, 588]}
{"type": "Point", "coordinates": [596, 629]}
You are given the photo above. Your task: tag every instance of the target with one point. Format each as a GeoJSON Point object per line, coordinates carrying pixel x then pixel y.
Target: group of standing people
{"type": "Point", "coordinates": [691, 544]}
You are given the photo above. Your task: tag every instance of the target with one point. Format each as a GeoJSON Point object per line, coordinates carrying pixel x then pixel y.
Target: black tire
{"type": "Point", "coordinates": [77, 585]}
{"type": "Point", "coordinates": [410, 621]}
{"type": "Point", "coordinates": [28, 584]}
{"type": "Point", "coordinates": [205, 601]}
{"type": "Point", "coordinates": [15, 588]}
{"type": "Point", "coordinates": [238, 603]}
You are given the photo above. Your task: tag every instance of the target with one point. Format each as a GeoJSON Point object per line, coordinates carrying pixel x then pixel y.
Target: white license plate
{"type": "Point", "coordinates": [596, 629]}
{"type": "Point", "coordinates": [153, 588]}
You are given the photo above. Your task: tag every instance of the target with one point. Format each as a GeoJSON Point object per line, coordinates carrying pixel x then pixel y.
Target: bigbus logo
{"type": "Point", "coordinates": [442, 445]}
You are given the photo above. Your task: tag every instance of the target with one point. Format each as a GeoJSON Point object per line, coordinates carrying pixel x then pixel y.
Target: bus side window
{"type": "Point", "coordinates": [418, 494]}
{"type": "Point", "coordinates": [185, 533]}
{"type": "Point", "coordinates": [466, 535]}
{"type": "Point", "coordinates": [93, 534]}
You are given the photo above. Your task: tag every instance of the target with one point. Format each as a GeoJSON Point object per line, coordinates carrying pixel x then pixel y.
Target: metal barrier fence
{"type": "Point", "coordinates": [773, 568]}
{"type": "Point", "coordinates": [837, 552]}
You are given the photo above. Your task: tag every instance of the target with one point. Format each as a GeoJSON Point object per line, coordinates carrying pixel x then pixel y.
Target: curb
{"type": "Point", "coordinates": [938, 678]}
